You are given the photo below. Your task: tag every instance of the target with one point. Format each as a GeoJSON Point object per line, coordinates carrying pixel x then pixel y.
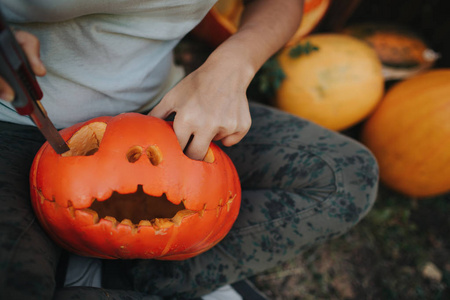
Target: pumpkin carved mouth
{"type": "Point", "coordinates": [140, 209]}
{"type": "Point", "coordinates": [137, 207]}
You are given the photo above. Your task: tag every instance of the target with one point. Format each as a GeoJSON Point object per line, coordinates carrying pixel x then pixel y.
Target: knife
{"type": "Point", "coordinates": [15, 69]}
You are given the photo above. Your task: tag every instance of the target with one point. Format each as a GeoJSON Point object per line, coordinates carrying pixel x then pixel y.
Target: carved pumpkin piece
{"type": "Point", "coordinates": [139, 199]}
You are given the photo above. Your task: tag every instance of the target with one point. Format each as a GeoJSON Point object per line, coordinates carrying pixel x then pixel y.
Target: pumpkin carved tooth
{"type": "Point", "coordinates": [202, 212]}
{"type": "Point", "coordinates": [41, 197]}
{"type": "Point", "coordinates": [144, 223]}
{"type": "Point", "coordinates": [159, 224]}
{"type": "Point", "coordinates": [230, 201]}
{"type": "Point", "coordinates": [112, 220]}
{"type": "Point", "coordinates": [91, 212]}
{"type": "Point", "coordinates": [178, 218]}
{"type": "Point", "coordinates": [218, 209]}
{"type": "Point", "coordinates": [126, 222]}
{"type": "Point", "coordinates": [71, 210]}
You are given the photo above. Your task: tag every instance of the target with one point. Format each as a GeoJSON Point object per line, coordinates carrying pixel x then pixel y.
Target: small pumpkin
{"type": "Point", "coordinates": [408, 135]}
{"type": "Point", "coordinates": [223, 20]}
{"type": "Point", "coordinates": [334, 80]}
{"type": "Point", "coordinates": [402, 52]}
{"type": "Point", "coordinates": [126, 190]}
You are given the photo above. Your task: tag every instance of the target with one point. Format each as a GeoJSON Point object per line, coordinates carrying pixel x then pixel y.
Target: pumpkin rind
{"type": "Point", "coordinates": [63, 188]}
{"type": "Point", "coordinates": [336, 86]}
{"type": "Point", "coordinates": [408, 132]}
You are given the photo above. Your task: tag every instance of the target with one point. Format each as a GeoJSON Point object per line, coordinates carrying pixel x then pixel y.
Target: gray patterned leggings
{"type": "Point", "coordinates": [302, 185]}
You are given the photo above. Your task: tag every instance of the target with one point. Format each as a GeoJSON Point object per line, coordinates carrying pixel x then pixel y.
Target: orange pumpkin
{"type": "Point", "coordinates": [223, 20]}
{"type": "Point", "coordinates": [126, 190]}
{"type": "Point", "coordinates": [402, 52]}
{"type": "Point", "coordinates": [408, 132]}
{"type": "Point", "coordinates": [336, 81]}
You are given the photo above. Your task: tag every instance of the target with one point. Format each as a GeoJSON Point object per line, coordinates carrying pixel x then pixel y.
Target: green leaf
{"type": "Point", "coordinates": [301, 49]}
{"type": "Point", "coordinates": [270, 77]}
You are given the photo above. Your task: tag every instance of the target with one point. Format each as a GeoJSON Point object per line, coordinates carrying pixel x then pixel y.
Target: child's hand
{"type": "Point", "coordinates": [30, 45]}
{"type": "Point", "coordinates": [210, 104]}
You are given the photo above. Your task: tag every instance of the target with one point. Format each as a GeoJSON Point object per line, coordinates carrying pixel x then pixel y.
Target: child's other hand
{"type": "Point", "coordinates": [31, 47]}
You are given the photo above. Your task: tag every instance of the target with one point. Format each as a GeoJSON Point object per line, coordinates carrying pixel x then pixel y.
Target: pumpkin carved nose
{"type": "Point", "coordinates": [153, 153]}
{"type": "Point", "coordinates": [134, 153]}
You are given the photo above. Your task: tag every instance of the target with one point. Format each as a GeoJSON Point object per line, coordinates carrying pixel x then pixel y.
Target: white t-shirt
{"type": "Point", "coordinates": [103, 57]}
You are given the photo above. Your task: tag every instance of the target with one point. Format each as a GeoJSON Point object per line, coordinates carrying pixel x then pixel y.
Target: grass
{"type": "Point", "coordinates": [401, 250]}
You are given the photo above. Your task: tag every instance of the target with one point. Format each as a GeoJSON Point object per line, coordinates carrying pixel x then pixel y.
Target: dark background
{"type": "Point", "coordinates": [430, 19]}
{"type": "Point", "coordinates": [401, 250]}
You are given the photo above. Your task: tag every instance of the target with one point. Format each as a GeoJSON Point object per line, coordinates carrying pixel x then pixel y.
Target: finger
{"type": "Point", "coordinates": [31, 47]}
{"type": "Point", "coordinates": [198, 147]}
{"type": "Point", "coordinates": [183, 133]}
{"type": "Point", "coordinates": [233, 139]}
{"type": "Point", "coordinates": [6, 92]}
{"type": "Point", "coordinates": [161, 111]}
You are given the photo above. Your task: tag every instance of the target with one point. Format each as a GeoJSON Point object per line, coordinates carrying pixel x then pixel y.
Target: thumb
{"type": "Point", "coordinates": [6, 92]}
{"type": "Point", "coordinates": [31, 46]}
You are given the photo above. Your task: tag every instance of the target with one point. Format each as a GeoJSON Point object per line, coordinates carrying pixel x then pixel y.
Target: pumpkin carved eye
{"type": "Point", "coordinates": [86, 141]}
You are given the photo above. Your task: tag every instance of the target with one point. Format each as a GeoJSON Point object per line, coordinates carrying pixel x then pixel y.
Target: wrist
{"type": "Point", "coordinates": [233, 61]}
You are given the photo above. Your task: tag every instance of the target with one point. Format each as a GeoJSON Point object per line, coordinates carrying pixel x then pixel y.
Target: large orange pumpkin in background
{"type": "Point", "coordinates": [334, 80]}
{"type": "Point", "coordinates": [126, 190]}
{"type": "Point", "coordinates": [409, 132]}
{"type": "Point", "coordinates": [223, 20]}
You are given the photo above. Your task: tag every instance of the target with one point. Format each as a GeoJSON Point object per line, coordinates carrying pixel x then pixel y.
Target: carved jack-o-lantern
{"type": "Point", "coordinates": [126, 190]}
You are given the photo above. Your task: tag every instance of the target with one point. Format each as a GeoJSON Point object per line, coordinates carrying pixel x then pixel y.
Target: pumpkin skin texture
{"type": "Point", "coordinates": [408, 135]}
{"type": "Point", "coordinates": [126, 190]}
{"type": "Point", "coordinates": [336, 85]}
{"type": "Point", "coordinates": [222, 21]}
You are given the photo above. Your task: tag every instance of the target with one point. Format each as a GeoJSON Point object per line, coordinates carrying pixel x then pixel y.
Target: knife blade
{"type": "Point", "coordinates": [15, 69]}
